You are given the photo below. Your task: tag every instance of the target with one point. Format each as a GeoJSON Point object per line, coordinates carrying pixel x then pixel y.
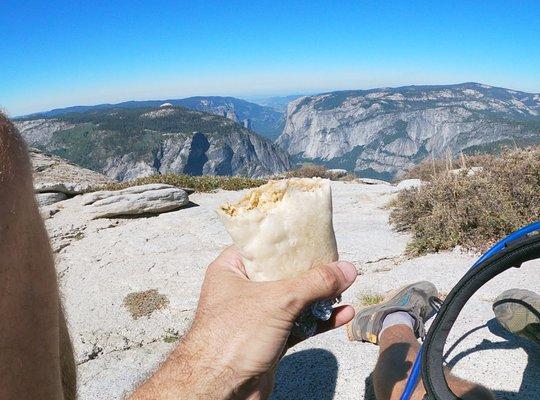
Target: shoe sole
{"type": "Point", "coordinates": [513, 311]}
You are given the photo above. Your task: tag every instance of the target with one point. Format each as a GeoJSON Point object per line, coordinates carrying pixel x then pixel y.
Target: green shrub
{"type": "Point", "coordinates": [472, 211]}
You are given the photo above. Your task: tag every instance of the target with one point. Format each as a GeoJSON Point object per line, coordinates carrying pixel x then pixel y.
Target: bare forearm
{"type": "Point", "coordinates": [191, 372]}
{"type": "Point", "coordinates": [233, 355]}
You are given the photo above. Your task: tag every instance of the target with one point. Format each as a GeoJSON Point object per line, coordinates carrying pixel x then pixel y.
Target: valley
{"type": "Point", "coordinates": [136, 142]}
{"type": "Point", "coordinates": [376, 133]}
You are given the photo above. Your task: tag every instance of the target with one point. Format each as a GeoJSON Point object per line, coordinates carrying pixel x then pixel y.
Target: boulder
{"type": "Point", "coordinates": [54, 174]}
{"type": "Point", "coordinates": [46, 199]}
{"type": "Point", "coordinates": [337, 173]}
{"type": "Point", "coordinates": [188, 190]}
{"type": "Point", "coordinates": [371, 181]}
{"type": "Point", "coordinates": [136, 200]}
{"type": "Point", "coordinates": [69, 188]}
{"type": "Point", "coordinates": [466, 171]}
{"type": "Point", "coordinates": [409, 184]}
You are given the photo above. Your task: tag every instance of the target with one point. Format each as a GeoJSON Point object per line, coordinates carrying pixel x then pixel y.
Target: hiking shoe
{"type": "Point", "coordinates": [416, 299]}
{"type": "Point", "coordinates": [518, 311]}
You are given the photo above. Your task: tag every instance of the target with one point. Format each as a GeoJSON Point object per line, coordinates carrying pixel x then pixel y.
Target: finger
{"type": "Point", "coordinates": [320, 283]}
{"type": "Point", "coordinates": [340, 316]}
{"type": "Point", "coordinates": [230, 260]}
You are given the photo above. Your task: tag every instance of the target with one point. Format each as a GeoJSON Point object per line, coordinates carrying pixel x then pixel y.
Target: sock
{"type": "Point", "coordinates": [397, 318]}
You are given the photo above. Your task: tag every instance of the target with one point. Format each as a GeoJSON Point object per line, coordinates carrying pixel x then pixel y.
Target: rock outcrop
{"type": "Point", "coordinates": [54, 174]}
{"type": "Point", "coordinates": [55, 179]}
{"type": "Point", "coordinates": [46, 199]}
{"type": "Point", "coordinates": [378, 133]}
{"type": "Point", "coordinates": [136, 200]}
{"type": "Point", "coordinates": [337, 173]}
{"type": "Point", "coordinates": [409, 184]}
{"type": "Point", "coordinates": [372, 181]}
{"type": "Point", "coordinates": [103, 264]}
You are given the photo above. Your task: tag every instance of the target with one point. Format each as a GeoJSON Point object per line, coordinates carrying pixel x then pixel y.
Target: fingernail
{"type": "Point", "coordinates": [348, 270]}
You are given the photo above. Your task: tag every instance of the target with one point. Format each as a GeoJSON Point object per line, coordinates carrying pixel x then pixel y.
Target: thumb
{"type": "Point", "coordinates": [323, 282]}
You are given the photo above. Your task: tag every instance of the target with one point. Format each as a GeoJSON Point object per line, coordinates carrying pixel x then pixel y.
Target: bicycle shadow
{"type": "Point", "coordinates": [530, 384]}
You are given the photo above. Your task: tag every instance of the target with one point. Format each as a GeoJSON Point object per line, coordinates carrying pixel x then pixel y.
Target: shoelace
{"type": "Point", "coordinates": [436, 304]}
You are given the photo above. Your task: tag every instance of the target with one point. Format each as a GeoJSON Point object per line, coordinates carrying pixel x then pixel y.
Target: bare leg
{"type": "Point", "coordinates": [398, 348]}
{"type": "Point", "coordinates": [36, 360]}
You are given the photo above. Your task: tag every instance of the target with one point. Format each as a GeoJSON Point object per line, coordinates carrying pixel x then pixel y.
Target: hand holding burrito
{"type": "Point", "coordinates": [255, 293]}
{"type": "Point", "coordinates": [243, 327]}
{"type": "Point", "coordinates": [283, 229]}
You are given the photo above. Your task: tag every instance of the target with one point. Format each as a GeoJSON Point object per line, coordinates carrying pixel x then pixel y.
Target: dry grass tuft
{"type": "Point", "coordinates": [317, 171]}
{"type": "Point", "coordinates": [204, 183]}
{"type": "Point", "coordinates": [142, 304]}
{"type": "Point", "coordinates": [171, 336]}
{"type": "Point", "coordinates": [371, 299]}
{"type": "Point", "coordinates": [308, 171]}
{"type": "Point", "coordinates": [472, 211]}
{"type": "Point", "coordinates": [430, 168]}
{"type": "Point", "coordinates": [210, 183]}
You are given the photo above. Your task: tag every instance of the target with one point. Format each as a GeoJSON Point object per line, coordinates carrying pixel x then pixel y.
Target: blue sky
{"type": "Point", "coordinates": [56, 54]}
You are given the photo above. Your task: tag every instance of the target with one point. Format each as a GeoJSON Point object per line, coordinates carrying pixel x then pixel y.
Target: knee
{"type": "Point", "coordinates": [478, 392]}
{"type": "Point", "coordinates": [468, 390]}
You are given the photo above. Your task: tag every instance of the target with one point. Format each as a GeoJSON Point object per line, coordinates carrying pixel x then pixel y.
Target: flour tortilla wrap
{"type": "Point", "coordinates": [283, 228]}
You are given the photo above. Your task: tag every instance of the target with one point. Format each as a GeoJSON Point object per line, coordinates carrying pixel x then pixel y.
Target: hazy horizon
{"type": "Point", "coordinates": [62, 55]}
{"type": "Point", "coordinates": [251, 98]}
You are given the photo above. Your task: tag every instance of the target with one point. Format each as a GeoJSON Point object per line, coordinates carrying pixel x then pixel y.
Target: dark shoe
{"type": "Point", "coordinates": [417, 299]}
{"type": "Point", "coordinates": [518, 311]}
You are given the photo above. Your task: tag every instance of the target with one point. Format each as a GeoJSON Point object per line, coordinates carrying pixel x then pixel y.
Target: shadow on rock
{"type": "Point", "coordinates": [369, 391]}
{"type": "Point", "coordinates": [530, 384]}
{"type": "Point", "coordinates": [189, 204]}
{"type": "Point", "coordinates": [308, 374]}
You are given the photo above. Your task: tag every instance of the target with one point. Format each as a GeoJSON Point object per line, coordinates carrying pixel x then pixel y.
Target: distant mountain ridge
{"type": "Point", "coordinates": [279, 103]}
{"type": "Point", "coordinates": [126, 143]}
{"type": "Point", "coordinates": [380, 132]}
{"type": "Point", "coordinates": [264, 120]}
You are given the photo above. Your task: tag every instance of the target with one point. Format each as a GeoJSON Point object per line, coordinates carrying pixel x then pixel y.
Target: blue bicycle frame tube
{"type": "Point", "coordinates": [414, 376]}
{"type": "Point", "coordinates": [502, 244]}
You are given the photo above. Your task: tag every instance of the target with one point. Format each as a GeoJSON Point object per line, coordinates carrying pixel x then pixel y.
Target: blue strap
{"type": "Point", "coordinates": [414, 377]}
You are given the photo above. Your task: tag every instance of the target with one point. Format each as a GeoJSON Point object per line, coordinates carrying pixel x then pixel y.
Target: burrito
{"type": "Point", "coordinates": [283, 228]}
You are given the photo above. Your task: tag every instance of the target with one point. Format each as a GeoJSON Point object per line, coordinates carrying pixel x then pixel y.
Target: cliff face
{"type": "Point", "coordinates": [382, 131]}
{"type": "Point", "coordinates": [202, 154]}
{"type": "Point", "coordinates": [126, 144]}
